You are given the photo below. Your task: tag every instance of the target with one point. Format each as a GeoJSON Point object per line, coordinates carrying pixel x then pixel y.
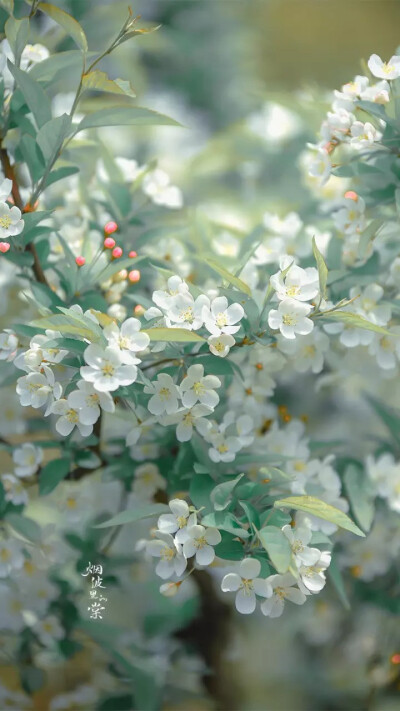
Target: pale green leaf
{"type": "Point", "coordinates": [360, 495]}
{"type": "Point", "coordinates": [71, 26]}
{"type": "Point", "coordinates": [136, 514]}
{"type": "Point", "coordinates": [17, 33]}
{"type": "Point", "coordinates": [221, 496]}
{"type": "Point", "coordinates": [355, 321]}
{"type": "Point", "coordinates": [51, 136]}
{"type": "Point", "coordinates": [125, 116]}
{"type": "Point", "coordinates": [173, 335]}
{"type": "Point", "coordinates": [51, 475]}
{"type": "Point", "coordinates": [316, 507]}
{"type": "Point", "coordinates": [230, 278]}
{"type": "Point", "coordinates": [26, 527]}
{"type": "Point", "coordinates": [99, 81]}
{"type": "Point", "coordinates": [322, 269]}
{"type": "Point", "coordinates": [277, 546]}
{"type": "Point", "coordinates": [34, 95]}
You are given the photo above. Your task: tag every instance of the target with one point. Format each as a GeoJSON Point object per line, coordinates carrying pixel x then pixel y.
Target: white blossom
{"type": "Point", "coordinates": [8, 345]}
{"type": "Point", "coordinates": [219, 318]}
{"type": "Point", "coordinates": [296, 283]}
{"type": "Point", "coordinates": [106, 368]}
{"type": "Point", "coordinates": [291, 318]}
{"type": "Point", "coordinates": [221, 345]}
{"type": "Point", "coordinates": [384, 70]}
{"type": "Point", "coordinates": [164, 395]}
{"type": "Point", "coordinates": [14, 489]}
{"type": "Point", "coordinates": [38, 389]}
{"type": "Point", "coordinates": [197, 387]}
{"type": "Point", "coordinates": [11, 557]}
{"type": "Point", "coordinates": [11, 223]}
{"type": "Point", "coordinates": [70, 417]}
{"type": "Point", "coordinates": [27, 459]}
{"type": "Point", "coordinates": [247, 584]}
{"type": "Point", "coordinates": [283, 588]}
{"type": "Point", "coordinates": [178, 521]}
{"type": "Point", "coordinates": [157, 186]}
{"type": "Point", "coordinates": [312, 576]}
{"type": "Point", "coordinates": [165, 547]}
{"type": "Point", "coordinates": [200, 542]}
{"type": "Point", "coordinates": [147, 481]}
{"type": "Point", "coordinates": [128, 339]}
{"type": "Point", "coordinates": [90, 402]}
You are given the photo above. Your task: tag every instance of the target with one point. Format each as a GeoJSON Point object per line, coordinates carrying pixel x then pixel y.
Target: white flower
{"type": "Point", "coordinates": [364, 135]}
{"type": "Point", "coordinates": [200, 542]}
{"type": "Point", "coordinates": [11, 557]}
{"type": "Point", "coordinates": [291, 318]}
{"type": "Point", "coordinates": [283, 587]}
{"type": "Point", "coordinates": [385, 349]}
{"type": "Point", "coordinates": [106, 369]}
{"type": "Point", "coordinates": [197, 387]}
{"type": "Point", "coordinates": [297, 283]}
{"type": "Point", "coordinates": [306, 353]}
{"type": "Point", "coordinates": [165, 395]}
{"type": "Point", "coordinates": [49, 630]}
{"type": "Point", "coordinates": [5, 189]}
{"type": "Point", "coordinates": [350, 218]}
{"type": "Point", "coordinates": [219, 318]}
{"type": "Point", "coordinates": [157, 186]}
{"type": "Point", "coordinates": [384, 70]}
{"type": "Point", "coordinates": [8, 345]}
{"type": "Point", "coordinates": [186, 311]}
{"type": "Point", "coordinates": [378, 93]}
{"type": "Point", "coordinates": [147, 481]}
{"type": "Point", "coordinates": [90, 402]}
{"type": "Point", "coordinates": [27, 459]}
{"type": "Point", "coordinates": [320, 165]}
{"type": "Point", "coordinates": [176, 286]}
{"type": "Point", "coordinates": [187, 419]}
{"type": "Point", "coordinates": [312, 577]}
{"type": "Point", "coordinates": [37, 389]}
{"type": "Point", "coordinates": [224, 448]}
{"type": "Point", "coordinates": [221, 345]}
{"type": "Point", "coordinates": [128, 339]}
{"type": "Point", "coordinates": [70, 417]}
{"type": "Point", "coordinates": [14, 489]}
{"type": "Point", "coordinates": [337, 125]}
{"type": "Point", "coordinates": [33, 54]}
{"type": "Point", "coordinates": [11, 223]}
{"type": "Point", "coordinates": [37, 353]}
{"type": "Point", "coordinates": [247, 585]}
{"type": "Point", "coordinates": [178, 521]}
{"type": "Point", "coordinates": [169, 551]}
{"type": "Point", "coordinates": [299, 538]}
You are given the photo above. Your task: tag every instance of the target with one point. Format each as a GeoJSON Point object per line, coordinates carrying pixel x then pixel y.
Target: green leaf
{"type": "Point", "coordinates": [45, 296]}
{"type": "Point", "coordinates": [231, 278]}
{"type": "Point", "coordinates": [221, 496]}
{"type": "Point", "coordinates": [226, 521]}
{"type": "Point", "coordinates": [136, 514]}
{"type": "Point", "coordinates": [8, 5]}
{"type": "Point", "coordinates": [112, 268]}
{"type": "Point", "coordinates": [359, 492]}
{"type": "Point", "coordinates": [277, 546]}
{"type": "Point", "coordinates": [389, 416]}
{"type": "Point", "coordinates": [316, 507]}
{"type": "Point", "coordinates": [51, 475]}
{"type": "Point", "coordinates": [367, 236]}
{"type": "Point", "coordinates": [71, 26]}
{"type": "Point", "coordinates": [125, 116]}
{"type": "Point", "coordinates": [32, 156]}
{"type": "Point", "coordinates": [34, 95]}
{"type": "Point", "coordinates": [77, 326]}
{"type": "Point", "coordinates": [99, 81]}
{"type": "Point", "coordinates": [51, 136]}
{"type": "Point", "coordinates": [60, 173]}
{"type": "Point", "coordinates": [26, 527]}
{"type": "Point", "coordinates": [335, 575]}
{"type": "Point", "coordinates": [50, 68]}
{"type": "Point", "coordinates": [200, 488]}
{"type": "Point", "coordinates": [322, 269]}
{"type": "Point", "coordinates": [173, 335]}
{"type": "Point", "coordinates": [355, 321]}
{"type": "Point", "coordinates": [17, 33]}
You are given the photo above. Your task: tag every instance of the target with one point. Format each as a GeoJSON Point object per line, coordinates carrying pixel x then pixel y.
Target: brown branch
{"type": "Point", "coordinates": [9, 173]}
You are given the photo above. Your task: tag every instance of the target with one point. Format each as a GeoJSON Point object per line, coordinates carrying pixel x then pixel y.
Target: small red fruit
{"type": "Point", "coordinates": [110, 227]}
{"type": "Point", "coordinates": [132, 254]}
{"type": "Point", "coordinates": [4, 247]}
{"type": "Point", "coordinates": [80, 261]}
{"type": "Point", "coordinates": [134, 276]}
{"type": "Point", "coordinates": [117, 252]}
{"type": "Point", "coordinates": [109, 243]}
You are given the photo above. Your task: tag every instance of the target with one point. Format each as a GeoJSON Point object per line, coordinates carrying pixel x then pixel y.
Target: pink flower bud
{"type": "Point", "coordinates": [80, 261]}
{"type": "Point", "coordinates": [109, 243]}
{"type": "Point", "coordinates": [4, 247]}
{"type": "Point", "coordinates": [139, 310]}
{"type": "Point", "coordinates": [351, 195]}
{"type": "Point", "coordinates": [132, 254]}
{"type": "Point", "coordinates": [134, 276]}
{"type": "Point", "coordinates": [117, 252]}
{"type": "Point", "coordinates": [110, 227]}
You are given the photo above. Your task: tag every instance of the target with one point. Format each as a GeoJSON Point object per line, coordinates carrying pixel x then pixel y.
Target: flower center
{"type": "Point", "coordinates": [5, 222]}
{"type": "Point", "coordinates": [292, 291]}
{"type": "Point", "coordinates": [222, 448]}
{"type": "Point", "coordinates": [182, 522]}
{"type": "Point", "coordinates": [221, 320]}
{"type": "Point", "coordinates": [280, 592]}
{"type": "Point", "coordinates": [187, 315]}
{"type": "Point", "coordinates": [92, 400]}
{"type": "Point", "coordinates": [200, 542]}
{"type": "Point", "coordinates": [289, 319]}
{"type": "Point", "coordinates": [108, 369]}
{"type": "Point", "coordinates": [164, 393]}
{"type": "Point", "coordinates": [72, 416]}
{"type": "Point", "coordinates": [247, 586]}
{"type": "Point", "coordinates": [167, 554]}
{"type": "Point", "coordinates": [5, 555]}
{"type": "Point", "coordinates": [198, 388]}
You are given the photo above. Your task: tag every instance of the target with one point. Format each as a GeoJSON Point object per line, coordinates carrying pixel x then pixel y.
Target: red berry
{"type": "Point", "coordinates": [351, 195]}
{"type": "Point", "coordinates": [132, 254]}
{"type": "Point", "coordinates": [109, 243]}
{"type": "Point", "coordinates": [80, 261]}
{"type": "Point", "coordinates": [117, 252]}
{"type": "Point", "coordinates": [4, 247]}
{"type": "Point", "coordinates": [110, 227]}
{"type": "Point", "coordinates": [134, 276]}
